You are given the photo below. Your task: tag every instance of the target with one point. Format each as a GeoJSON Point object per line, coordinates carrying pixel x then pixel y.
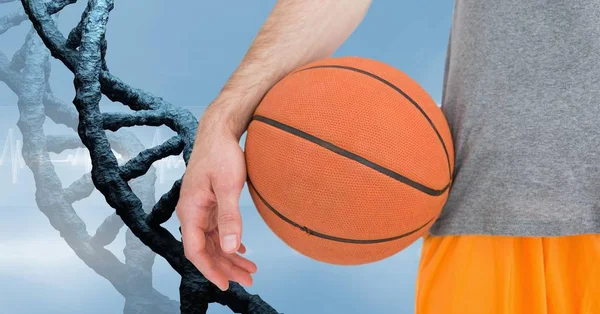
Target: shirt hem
{"type": "Point", "coordinates": [512, 228]}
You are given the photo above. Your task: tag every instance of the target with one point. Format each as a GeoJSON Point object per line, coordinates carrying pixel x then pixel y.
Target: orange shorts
{"type": "Point", "coordinates": [509, 275]}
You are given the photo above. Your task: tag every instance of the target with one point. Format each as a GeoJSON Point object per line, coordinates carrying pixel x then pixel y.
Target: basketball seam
{"type": "Point", "coordinates": [350, 155]}
{"type": "Point", "coordinates": [357, 158]}
{"type": "Point", "coordinates": [330, 237]}
{"type": "Point", "coordinates": [399, 90]}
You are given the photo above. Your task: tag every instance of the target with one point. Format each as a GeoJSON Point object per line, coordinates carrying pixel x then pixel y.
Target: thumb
{"type": "Point", "coordinates": [228, 217]}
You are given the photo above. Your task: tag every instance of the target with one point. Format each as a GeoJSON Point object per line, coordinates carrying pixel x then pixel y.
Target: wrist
{"type": "Point", "coordinates": [237, 101]}
{"type": "Point", "coordinates": [233, 108]}
{"type": "Point", "coordinates": [226, 117]}
{"type": "Point", "coordinates": [215, 119]}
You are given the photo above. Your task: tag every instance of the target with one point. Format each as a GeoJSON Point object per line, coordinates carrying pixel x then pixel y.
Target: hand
{"type": "Point", "coordinates": [208, 208]}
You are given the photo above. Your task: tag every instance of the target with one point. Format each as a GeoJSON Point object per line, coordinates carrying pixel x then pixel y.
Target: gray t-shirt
{"type": "Point", "coordinates": [522, 98]}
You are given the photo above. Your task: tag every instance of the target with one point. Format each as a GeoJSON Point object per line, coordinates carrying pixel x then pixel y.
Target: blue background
{"type": "Point", "coordinates": [184, 51]}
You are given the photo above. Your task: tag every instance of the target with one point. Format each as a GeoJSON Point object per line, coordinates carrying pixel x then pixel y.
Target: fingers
{"type": "Point", "coordinates": [194, 210]}
{"type": "Point", "coordinates": [232, 266]}
{"type": "Point", "coordinates": [242, 249]}
{"type": "Point", "coordinates": [209, 214]}
{"type": "Point", "coordinates": [218, 267]}
{"type": "Point", "coordinates": [196, 249]}
{"type": "Point", "coordinates": [229, 219]}
{"type": "Point", "coordinates": [234, 258]}
{"type": "Point", "coordinates": [234, 272]}
{"type": "Point", "coordinates": [242, 263]}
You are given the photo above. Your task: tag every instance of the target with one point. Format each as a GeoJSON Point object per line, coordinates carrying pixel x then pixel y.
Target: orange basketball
{"type": "Point", "coordinates": [349, 160]}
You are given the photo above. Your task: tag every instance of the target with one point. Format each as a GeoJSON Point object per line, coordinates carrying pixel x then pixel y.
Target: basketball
{"type": "Point", "coordinates": [349, 160]}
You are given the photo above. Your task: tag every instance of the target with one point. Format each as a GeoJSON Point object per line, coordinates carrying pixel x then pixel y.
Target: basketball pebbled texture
{"type": "Point", "coordinates": [349, 160]}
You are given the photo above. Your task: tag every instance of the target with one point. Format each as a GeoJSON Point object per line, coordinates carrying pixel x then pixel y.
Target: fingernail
{"type": "Point", "coordinates": [229, 242]}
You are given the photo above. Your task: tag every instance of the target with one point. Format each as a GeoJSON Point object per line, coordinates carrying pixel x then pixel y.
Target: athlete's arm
{"type": "Point", "coordinates": [295, 33]}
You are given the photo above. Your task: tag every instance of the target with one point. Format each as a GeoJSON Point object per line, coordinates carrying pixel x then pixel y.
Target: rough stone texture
{"type": "Point", "coordinates": [27, 75]}
{"type": "Point", "coordinates": [83, 53]}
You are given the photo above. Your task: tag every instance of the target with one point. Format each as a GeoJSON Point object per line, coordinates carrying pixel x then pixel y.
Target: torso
{"type": "Point", "coordinates": [522, 97]}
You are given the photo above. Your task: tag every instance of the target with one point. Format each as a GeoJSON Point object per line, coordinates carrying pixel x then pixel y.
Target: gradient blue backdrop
{"type": "Point", "coordinates": [184, 51]}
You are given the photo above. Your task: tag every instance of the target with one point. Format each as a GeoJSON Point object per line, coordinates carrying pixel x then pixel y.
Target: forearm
{"type": "Point", "coordinates": [295, 33]}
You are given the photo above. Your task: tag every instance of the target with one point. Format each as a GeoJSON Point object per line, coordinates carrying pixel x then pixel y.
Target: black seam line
{"type": "Point", "coordinates": [340, 151]}
{"type": "Point", "coordinates": [329, 237]}
{"type": "Point", "coordinates": [399, 91]}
